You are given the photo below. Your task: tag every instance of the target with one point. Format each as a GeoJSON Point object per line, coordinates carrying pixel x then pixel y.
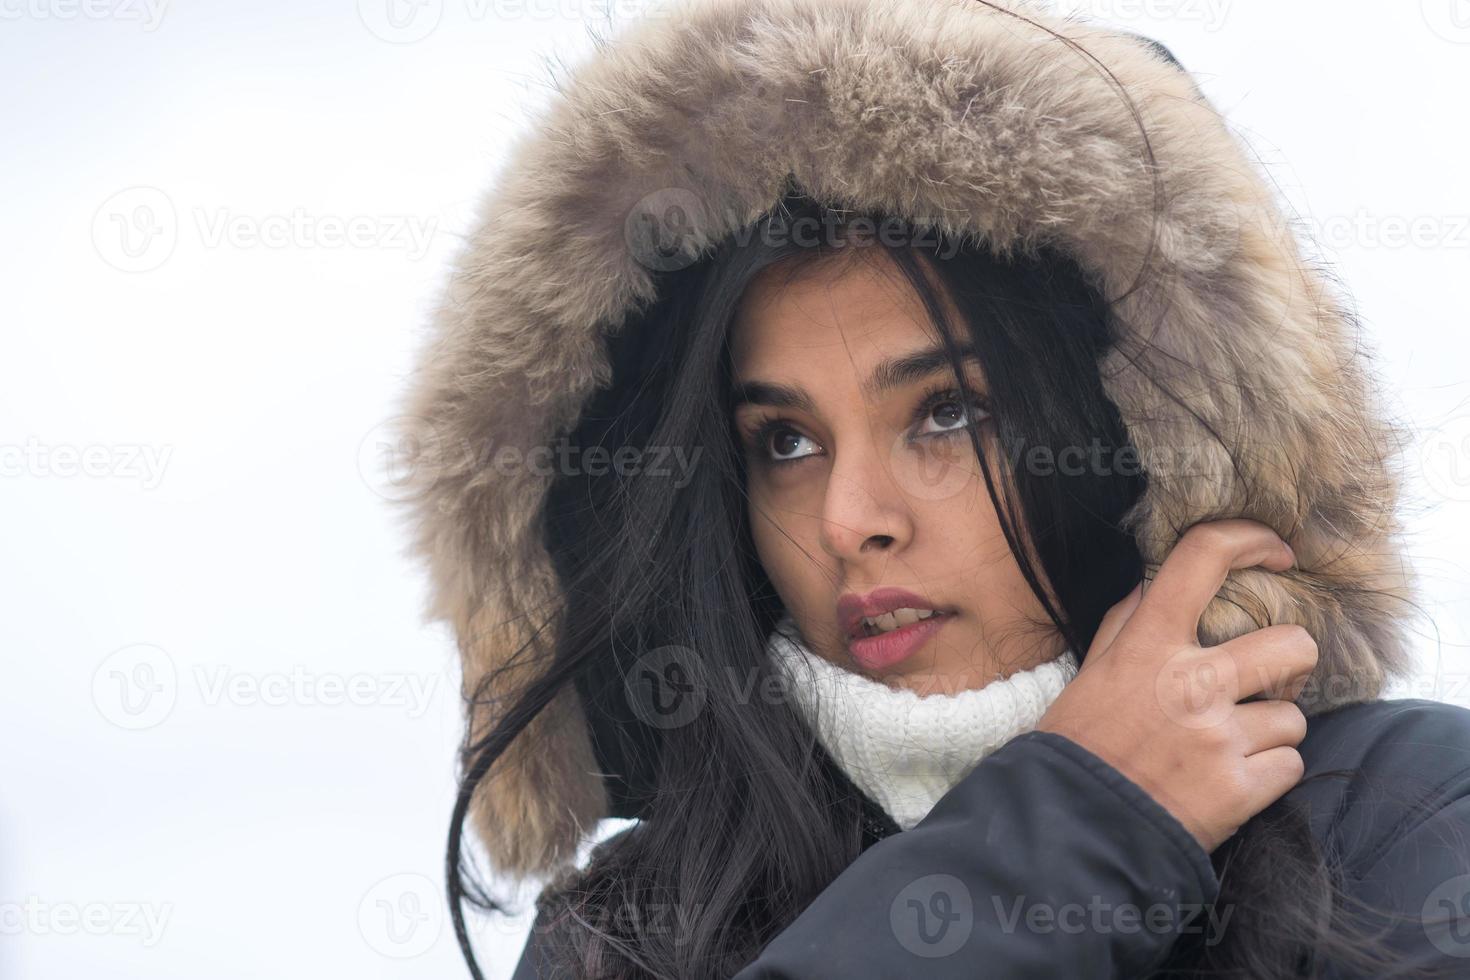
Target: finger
{"type": "Point", "coordinates": [1271, 773]}
{"type": "Point", "coordinates": [1274, 661]}
{"type": "Point", "coordinates": [1115, 618]}
{"type": "Point", "coordinates": [1196, 567]}
{"type": "Point", "coordinates": [1268, 724]}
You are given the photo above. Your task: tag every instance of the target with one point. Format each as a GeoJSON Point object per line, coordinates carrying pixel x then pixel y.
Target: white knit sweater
{"type": "Point", "coordinates": [903, 750]}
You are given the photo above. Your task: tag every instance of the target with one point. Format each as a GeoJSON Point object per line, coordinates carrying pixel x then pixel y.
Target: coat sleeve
{"type": "Point", "coordinates": [1043, 861]}
{"type": "Point", "coordinates": [1405, 829]}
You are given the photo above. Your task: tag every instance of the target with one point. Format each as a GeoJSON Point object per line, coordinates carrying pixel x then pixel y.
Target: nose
{"type": "Point", "coordinates": [864, 513]}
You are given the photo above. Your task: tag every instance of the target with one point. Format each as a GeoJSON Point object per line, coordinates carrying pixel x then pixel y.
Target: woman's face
{"type": "Point", "coordinates": [864, 476]}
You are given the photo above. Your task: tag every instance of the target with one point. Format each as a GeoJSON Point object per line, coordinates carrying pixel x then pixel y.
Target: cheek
{"type": "Point", "coordinates": [775, 547]}
{"type": "Point", "coordinates": [965, 541]}
{"type": "Point", "coordinates": [961, 525]}
{"type": "Point", "coordinates": [781, 515]}
{"type": "Point", "coordinates": [791, 561]}
{"type": "Point", "coordinates": [972, 539]}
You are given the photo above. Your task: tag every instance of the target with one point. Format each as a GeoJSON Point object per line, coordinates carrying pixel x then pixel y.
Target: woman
{"type": "Point", "coordinates": [897, 452]}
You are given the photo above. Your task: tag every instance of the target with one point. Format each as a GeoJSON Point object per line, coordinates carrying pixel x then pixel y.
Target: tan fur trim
{"type": "Point", "coordinates": [951, 113]}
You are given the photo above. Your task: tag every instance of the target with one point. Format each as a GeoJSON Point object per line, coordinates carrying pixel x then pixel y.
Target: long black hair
{"type": "Point", "coordinates": [740, 824]}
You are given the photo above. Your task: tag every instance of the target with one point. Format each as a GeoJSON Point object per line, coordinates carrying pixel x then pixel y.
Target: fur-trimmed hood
{"type": "Point", "coordinates": [952, 113]}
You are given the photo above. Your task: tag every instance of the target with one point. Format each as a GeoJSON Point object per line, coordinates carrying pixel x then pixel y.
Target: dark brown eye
{"type": "Point", "coordinates": [950, 411]}
{"type": "Point", "coordinates": [784, 441]}
{"type": "Point", "coordinates": [951, 416]}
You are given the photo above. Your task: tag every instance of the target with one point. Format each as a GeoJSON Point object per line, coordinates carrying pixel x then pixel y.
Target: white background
{"type": "Point", "coordinates": [192, 502]}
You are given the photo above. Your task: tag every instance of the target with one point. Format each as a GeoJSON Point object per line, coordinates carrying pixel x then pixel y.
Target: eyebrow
{"type": "Point", "coordinates": [897, 372]}
{"type": "Point", "coordinates": [894, 372]}
{"type": "Point", "coordinates": [772, 395]}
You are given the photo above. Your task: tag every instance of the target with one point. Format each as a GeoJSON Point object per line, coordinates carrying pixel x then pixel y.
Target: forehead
{"type": "Point", "coordinates": [842, 309]}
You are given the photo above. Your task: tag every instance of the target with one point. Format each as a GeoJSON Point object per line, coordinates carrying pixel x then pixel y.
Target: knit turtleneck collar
{"type": "Point", "coordinates": [903, 750]}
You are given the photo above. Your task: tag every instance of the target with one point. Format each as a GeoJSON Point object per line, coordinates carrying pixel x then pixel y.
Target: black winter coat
{"type": "Point", "coordinates": [1045, 861]}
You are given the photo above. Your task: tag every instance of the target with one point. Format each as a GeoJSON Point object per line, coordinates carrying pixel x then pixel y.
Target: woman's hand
{"type": "Point", "coordinates": [1163, 710]}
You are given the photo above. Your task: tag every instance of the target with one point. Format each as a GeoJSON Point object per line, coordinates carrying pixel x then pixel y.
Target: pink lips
{"type": "Point", "coordinates": [886, 649]}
